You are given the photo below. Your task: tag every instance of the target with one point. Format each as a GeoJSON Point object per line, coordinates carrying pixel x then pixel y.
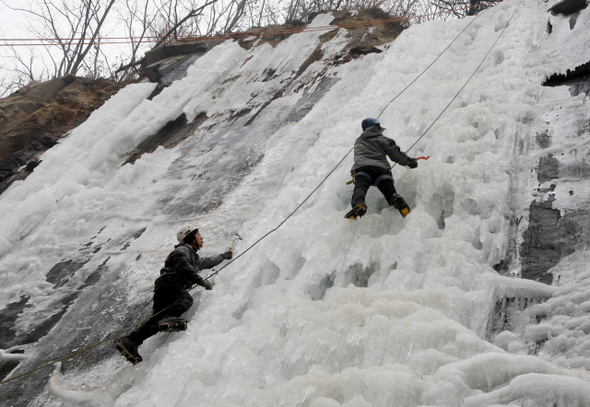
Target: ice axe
{"type": "Point", "coordinates": [231, 242]}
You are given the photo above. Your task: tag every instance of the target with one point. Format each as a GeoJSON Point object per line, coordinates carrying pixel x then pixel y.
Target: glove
{"type": "Point", "coordinates": [227, 255]}
{"type": "Point", "coordinates": [206, 284]}
{"type": "Point", "coordinates": [413, 163]}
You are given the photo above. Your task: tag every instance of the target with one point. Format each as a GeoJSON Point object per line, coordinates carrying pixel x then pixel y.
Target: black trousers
{"type": "Point", "coordinates": [171, 297]}
{"type": "Point", "coordinates": [367, 176]}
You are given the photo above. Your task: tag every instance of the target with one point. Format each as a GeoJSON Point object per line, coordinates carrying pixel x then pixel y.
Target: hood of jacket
{"type": "Point", "coordinates": [371, 132]}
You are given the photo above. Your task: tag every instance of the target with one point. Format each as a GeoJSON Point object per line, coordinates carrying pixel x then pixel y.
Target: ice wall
{"type": "Point", "coordinates": [384, 311]}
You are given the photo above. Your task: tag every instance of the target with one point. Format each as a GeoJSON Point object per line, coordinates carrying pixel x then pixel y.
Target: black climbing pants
{"type": "Point", "coordinates": [370, 175]}
{"type": "Point", "coordinates": [169, 296]}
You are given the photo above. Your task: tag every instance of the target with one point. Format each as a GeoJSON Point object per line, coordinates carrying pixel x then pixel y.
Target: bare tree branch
{"type": "Point", "coordinates": [237, 16]}
{"type": "Point", "coordinates": [73, 31]}
{"type": "Point", "coordinates": [82, 51]}
{"type": "Point", "coordinates": [192, 13]}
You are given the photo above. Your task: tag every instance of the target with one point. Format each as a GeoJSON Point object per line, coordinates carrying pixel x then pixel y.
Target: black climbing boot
{"type": "Point", "coordinates": [129, 350]}
{"type": "Point", "coordinates": [400, 204]}
{"type": "Point", "coordinates": [172, 324]}
{"type": "Point", "coordinates": [358, 211]}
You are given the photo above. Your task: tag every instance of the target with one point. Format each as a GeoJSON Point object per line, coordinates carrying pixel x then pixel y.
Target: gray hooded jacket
{"type": "Point", "coordinates": [371, 149]}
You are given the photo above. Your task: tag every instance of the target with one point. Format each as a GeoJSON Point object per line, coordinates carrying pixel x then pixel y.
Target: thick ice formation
{"type": "Point", "coordinates": [324, 312]}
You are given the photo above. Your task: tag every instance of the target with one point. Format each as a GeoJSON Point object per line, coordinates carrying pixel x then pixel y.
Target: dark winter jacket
{"type": "Point", "coordinates": [183, 265]}
{"type": "Point", "coordinates": [372, 147]}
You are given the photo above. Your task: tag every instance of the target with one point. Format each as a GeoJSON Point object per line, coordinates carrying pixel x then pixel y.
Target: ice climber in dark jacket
{"type": "Point", "coordinates": [171, 296]}
{"type": "Point", "coordinates": [371, 167]}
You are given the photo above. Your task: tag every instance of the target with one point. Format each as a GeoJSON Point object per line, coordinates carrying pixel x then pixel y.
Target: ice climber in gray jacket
{"type": "Point", "coordinates": [171, 296]}
{"type": "Point", "coordinates": [371, 167]}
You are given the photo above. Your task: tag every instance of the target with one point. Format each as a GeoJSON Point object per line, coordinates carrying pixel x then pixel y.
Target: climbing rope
{"type": "Point", "coordinates": [112, 337]}
{"type": "Point", "coordinates": [412, 146]}
{"type": "Point", "coordinates": [48, 364]}
{"type": "Point", "coordinates": [468, 79]}
{"type": "Point", "coordinates": [285, 220]}
{"type": "Point", "coordinates": [428, 67]}
{"type": "Point", "coordinates": [348, 153]}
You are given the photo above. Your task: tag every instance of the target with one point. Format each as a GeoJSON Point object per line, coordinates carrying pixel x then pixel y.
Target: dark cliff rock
{"type": "Point", "coordinates": [35, 117]}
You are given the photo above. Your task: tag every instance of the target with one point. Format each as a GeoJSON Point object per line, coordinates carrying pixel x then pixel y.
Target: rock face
{"type": "Point", "coordinates": [568, 7]}
{"type": "Point", "coordinates": [558, 216]}
{"type": "Point", "coordinates": [35, 117]}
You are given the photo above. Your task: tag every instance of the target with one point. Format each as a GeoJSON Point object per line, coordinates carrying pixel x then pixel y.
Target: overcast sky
{"type": "Point", "coordinates": [11, 22]}
{"type": "Point", "coordinates": [15, 24]}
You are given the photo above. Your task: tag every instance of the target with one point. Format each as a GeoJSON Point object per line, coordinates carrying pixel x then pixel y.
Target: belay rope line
{"type": "Point", "coordinates": [386, 106]}
{"type": "Point", "coordinates": [468, 79]}
{"type": "Point", "coordinates": [112, 337]}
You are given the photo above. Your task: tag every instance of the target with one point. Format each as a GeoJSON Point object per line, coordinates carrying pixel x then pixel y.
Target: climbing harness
{"type": "Point", "coordinates": [353, 173]}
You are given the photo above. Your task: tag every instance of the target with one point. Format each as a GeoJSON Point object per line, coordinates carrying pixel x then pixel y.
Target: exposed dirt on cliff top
{"type": "Point", "coordinates": [35, 117]}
